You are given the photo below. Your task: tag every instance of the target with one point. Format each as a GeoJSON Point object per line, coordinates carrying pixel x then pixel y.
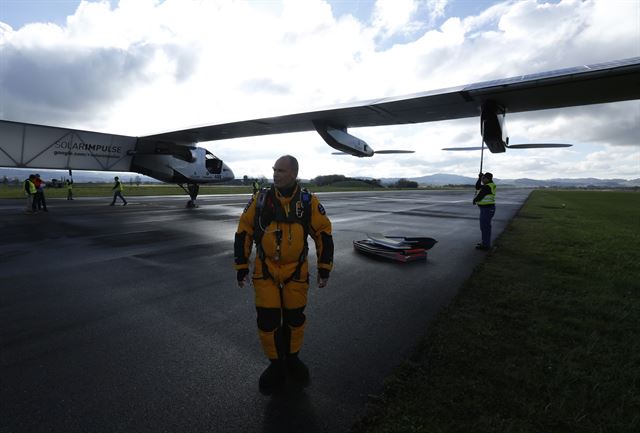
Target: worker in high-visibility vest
{"type": "Point", "coordinates": [30, 191]}
{"type": "Point", "coordinates": [486, 200]}
{"type": "Point", "coordinates": [117, 192]}
{"type": "Point", "coordinates": [69, 184]}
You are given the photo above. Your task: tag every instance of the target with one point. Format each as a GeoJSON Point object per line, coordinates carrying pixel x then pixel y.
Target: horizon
{"type": "Point", "coordinates": [86, 174]}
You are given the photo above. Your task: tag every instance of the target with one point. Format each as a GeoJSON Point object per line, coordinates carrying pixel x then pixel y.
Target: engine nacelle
{"type": "Point", "coordinates": [339, 139]}
{"type": "Point", "coordinates": [493, 127]}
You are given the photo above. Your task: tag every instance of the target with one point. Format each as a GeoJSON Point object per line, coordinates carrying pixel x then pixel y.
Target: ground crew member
{"type": "Point", "coordinates": [40, 202]}
{"type": "Point", "coordinates": [30, 190]}
{"type": "Point", "coordinates": [117, 192]}
{"type": "Point", "coordinates": [69, 189]}
{"type": "Point", "coordinates": [279, 219]}
{"type": "Point", "coordinates": [486, 200]}
{"type": "Point", "coordinates": [256, 186]}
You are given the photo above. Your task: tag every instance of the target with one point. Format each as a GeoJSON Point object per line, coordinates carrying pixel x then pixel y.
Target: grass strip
{"type": "Point", "coordinates": [106, 190]}
{"type": "Point", "coordinates": [544, 337]}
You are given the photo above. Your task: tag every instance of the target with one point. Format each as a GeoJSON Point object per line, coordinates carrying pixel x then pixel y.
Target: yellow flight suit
{"type": "Point", "coordinates": [279, 225]}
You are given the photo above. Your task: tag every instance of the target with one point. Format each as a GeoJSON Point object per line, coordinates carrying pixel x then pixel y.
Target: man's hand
{"type": "Point", "coordinates": [241, 277]}
{"type": "Point", "coordinates": [323, 278]}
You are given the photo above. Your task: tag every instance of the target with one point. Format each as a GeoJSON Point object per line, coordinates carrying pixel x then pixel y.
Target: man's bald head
{"type": "Point", "coordinates": [285, 172]}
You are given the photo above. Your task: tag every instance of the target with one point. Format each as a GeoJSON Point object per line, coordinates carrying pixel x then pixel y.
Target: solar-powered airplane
{"type": "Point", "coordinates": [175, 157]}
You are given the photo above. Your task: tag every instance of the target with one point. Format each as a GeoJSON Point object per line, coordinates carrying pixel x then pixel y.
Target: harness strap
{"type": "Point", "coordinates": [260, 225]}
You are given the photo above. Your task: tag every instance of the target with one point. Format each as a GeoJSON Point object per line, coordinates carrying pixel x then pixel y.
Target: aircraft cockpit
{"type": "Point", "coordinates": [214, 164]}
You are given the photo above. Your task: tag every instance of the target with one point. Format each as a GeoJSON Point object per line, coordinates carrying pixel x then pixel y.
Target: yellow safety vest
{"type": "Point", "coordinates": [489, 199]}
{"type": "Point", "coordinates": [32, 187]}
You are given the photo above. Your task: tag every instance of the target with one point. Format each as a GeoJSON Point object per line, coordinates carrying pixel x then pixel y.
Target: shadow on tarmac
{"type": "Point", "coordinates": [290, 410]}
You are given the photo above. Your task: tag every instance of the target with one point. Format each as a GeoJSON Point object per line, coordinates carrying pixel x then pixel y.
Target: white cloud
{"type": "Point", "coordinates": [604, 163]}
{"type": "Point", "coordinates": [391, 16]}
{"type": "Point", "coordinates": [145, 66]}
{"type": "Point", "coordinates": [436, 9]}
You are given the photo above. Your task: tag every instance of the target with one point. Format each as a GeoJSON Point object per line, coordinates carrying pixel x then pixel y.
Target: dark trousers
{"type": "Point", "coordinates": [486, 214]}
{"type": "Point", "coordinates": [39, 201]}
{"type": "Point", "coordinates": [118, 194]}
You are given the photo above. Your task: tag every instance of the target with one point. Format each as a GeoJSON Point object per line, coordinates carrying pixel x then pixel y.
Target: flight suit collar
{"type": "Point", "coordinates": [285, 193]}
{"type": "Point", "coordinates": [285, 201]}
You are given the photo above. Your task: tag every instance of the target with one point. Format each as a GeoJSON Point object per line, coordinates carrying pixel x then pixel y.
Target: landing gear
{"type": "Point", "coordinates": [192, 189]}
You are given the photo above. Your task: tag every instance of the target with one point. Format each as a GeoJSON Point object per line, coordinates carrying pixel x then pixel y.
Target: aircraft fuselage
{"type": "Point", "coordinates": [173, 163]}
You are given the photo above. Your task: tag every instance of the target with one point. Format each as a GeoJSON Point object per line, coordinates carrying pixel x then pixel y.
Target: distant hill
{"type": "Point", "coordinates": [353, 183]}
{"type": "Point", "coordinates": [441, 179]}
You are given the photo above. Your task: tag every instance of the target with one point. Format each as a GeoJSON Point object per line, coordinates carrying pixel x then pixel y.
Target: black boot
{"type": "Point", "coordinates": [297, 370]}
{"type": "Point", "coordinates": [273, 376]}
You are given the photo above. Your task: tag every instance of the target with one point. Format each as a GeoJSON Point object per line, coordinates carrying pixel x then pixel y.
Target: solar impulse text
{"type": "Point", "coordinates": [85, 149]}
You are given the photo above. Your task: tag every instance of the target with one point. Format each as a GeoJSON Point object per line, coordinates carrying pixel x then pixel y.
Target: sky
{"type": "Point", "coordinates": [137, 67]}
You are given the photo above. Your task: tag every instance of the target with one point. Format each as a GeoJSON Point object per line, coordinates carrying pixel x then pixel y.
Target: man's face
{"type": "Point", "coordinates": [283, 175]}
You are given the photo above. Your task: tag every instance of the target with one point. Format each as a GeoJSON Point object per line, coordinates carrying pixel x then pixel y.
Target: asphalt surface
{"type": "Point", "coordinates": [128, 319]}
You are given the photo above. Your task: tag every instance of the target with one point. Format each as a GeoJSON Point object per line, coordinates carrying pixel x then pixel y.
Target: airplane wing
{"type": "Point", "coordinates": [27, 145]}
{"type": "Point", "coordinates": [37, 146]}
{"type": "Point", "coordinates": [582, 85]}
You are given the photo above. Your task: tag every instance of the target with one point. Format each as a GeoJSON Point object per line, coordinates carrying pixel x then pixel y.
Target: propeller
{"type": "Point", "coordinates": [393, 151]}
{"type": "Point", "coordinates": [537, 145]}
{"type": "Point", "coordinates": [462, 148]}
{"type": "Point", "coordinates": [378, 151]}
{"type": "Point", "coordinates": [516, 146]}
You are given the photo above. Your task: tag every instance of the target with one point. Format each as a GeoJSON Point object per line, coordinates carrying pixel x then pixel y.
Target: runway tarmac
{"type": "Point", "coordinates": [128, 319]}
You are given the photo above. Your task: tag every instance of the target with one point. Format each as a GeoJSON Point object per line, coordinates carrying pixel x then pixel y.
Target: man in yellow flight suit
{"type": "Point", "coordinates": [278, 220]}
